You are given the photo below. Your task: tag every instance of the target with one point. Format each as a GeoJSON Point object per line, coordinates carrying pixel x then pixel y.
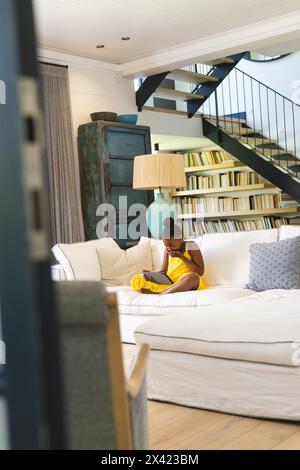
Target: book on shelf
{"type": "Point", "coordinates": [223, 180]}
{"type": "Point", "coordinates": [211, 157]}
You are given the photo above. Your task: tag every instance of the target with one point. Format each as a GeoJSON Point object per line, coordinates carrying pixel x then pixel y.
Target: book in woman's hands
{"type": "Point", "coordinates": [158, 278]}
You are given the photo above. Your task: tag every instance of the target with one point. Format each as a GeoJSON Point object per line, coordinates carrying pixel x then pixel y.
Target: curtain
{"type": "Point", "coordinates": [66, 220]}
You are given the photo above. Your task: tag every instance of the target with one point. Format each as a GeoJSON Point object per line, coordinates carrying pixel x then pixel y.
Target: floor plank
{"type": "Point", "coordinates": [291, 443]}
{"type": "Point", "coordinates": [176, 427]}
{"type": "Point", "coordinates": [264, 437]}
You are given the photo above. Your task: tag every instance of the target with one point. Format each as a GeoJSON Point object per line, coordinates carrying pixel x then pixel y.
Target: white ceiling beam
{"type": "Point", "coordinates": [254, 36]}
{"type": "Point", "coordinates": [64, 58]}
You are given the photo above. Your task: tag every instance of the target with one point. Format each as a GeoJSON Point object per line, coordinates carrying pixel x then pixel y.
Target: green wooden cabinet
{"type": "Point", "coordinates": [106, 154]}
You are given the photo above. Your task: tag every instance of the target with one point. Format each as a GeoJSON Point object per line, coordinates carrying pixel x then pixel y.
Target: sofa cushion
{"type": "Point", "coordinates": [134, 303]}
{"type": "Point", "coordinates": [157, 252]}
{"type": "Point", "coordinates": [275, 265]}
{"type": "Point", "coordinates": [79, 260]}
{"type": "Point", "coordinates": [289, 231]}
{"type": "Point", "coordinates": [135, 308]}
{"type": "Point", "coordinates": [118, 266]}
{"type": "Point", "coordinates": [227, 256]}
{"type": "Point", "coordinates": [260, 328]}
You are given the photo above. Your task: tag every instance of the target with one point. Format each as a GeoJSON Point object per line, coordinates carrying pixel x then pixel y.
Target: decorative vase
{"type": "Point", "coordinates": [157, 212]}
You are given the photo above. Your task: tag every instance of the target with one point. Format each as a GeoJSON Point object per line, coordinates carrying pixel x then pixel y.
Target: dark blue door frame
{"type": "Point", "coordinates": [31, 382]}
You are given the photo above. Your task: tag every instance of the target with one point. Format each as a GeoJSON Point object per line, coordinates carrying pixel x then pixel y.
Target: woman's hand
{"type": "Point", "coordinates": [146, 275]}
{"type": "Point", "coordinates": [176, 254]}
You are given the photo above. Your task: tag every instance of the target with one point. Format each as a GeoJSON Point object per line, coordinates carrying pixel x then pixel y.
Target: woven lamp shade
{"type": "Point", "coordinates": [164, 170]}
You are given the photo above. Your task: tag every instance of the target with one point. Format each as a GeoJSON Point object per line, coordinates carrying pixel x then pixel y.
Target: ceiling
{"type": "Point", "coordinates": [77, 26]}
{"type": "Point", "coordinates": [282, 48]}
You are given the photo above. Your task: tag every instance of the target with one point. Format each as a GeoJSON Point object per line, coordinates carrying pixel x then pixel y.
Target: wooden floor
{"type": "Point", "coordinates": [181, 428]}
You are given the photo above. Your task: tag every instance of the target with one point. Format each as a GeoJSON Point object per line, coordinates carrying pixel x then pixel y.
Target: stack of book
{"type": "Point", "coordinates": [196, 228]}
{"type": "Point", "coordinates": [245, 178]}
{"type": "Point", "coordinates": [212, 157]}
{"type": "Point", "coordinates": [223, 180]}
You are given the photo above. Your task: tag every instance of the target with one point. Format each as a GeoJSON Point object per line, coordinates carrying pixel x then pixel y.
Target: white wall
{"type": "Point", "coordinates": [101, 90]}
{"type": "Point", "coordinates": [282, 75]}
{"type": "Point", "coordinates": [98, 90]}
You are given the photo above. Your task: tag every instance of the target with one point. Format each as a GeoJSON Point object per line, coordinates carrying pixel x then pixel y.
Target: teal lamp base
{"type": "Point", "coordinates": [157, 212]}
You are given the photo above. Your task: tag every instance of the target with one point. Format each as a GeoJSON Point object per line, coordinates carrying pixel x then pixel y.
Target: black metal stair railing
{"type": "Point", "coordinates": [259, 117]}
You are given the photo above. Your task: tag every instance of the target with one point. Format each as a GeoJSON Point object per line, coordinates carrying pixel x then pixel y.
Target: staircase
{"type": "Point", "coordinates": [248, 119]}
{"type": "Point", "coordinates": [259, 126]}
{"type": "Point", "coordinates": [202, 82]}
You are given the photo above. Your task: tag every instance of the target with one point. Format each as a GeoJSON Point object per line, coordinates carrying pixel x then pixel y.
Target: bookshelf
{"type": "Point", "coordinates": [223, 190]}
{"type": "Point", "coordinates": [213, 168]}
{"type": "Point", "coordinates": [224, 195]}
{"type": "Point", "coordinates": [216, 215]}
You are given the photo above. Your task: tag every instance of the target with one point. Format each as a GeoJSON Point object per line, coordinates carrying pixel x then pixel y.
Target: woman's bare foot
{"type": "Point", "coordinates": [148, 291]}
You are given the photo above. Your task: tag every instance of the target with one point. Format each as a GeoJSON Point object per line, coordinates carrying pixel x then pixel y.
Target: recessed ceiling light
{"type": "Point", "coordinates": [125, 38]}
{"type": "Point", "coordinates": [100, 46]}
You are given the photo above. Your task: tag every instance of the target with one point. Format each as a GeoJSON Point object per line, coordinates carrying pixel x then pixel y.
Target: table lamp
{"type": "Point", "coordinates": [165, 170]}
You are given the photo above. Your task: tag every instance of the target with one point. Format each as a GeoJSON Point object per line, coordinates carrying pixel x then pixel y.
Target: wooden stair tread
{"type": "Point", "coordinates": [286, 157]}
{"type": "Point", "coordinates": [169, 111]}
{"type": "Point", "coordinates": [272, 144]}
{"type": "Point", "coordinates": [292, 163]}
{"type": "Point", "coordinates": [241, 131]}
{"type": "Point", "coordinates": [227, 119]}
{"type": "Point", "coordinates": [191, 77]}
{"type": "Point", "coordinates": [185, 95]}
{"type": "Point", "coordinates": [234, 128]}
{"type": "Point", "coordinates": [221, 60]}
{"type": "Point", "coordinates": [295, 169]}
{"type": "Point", "coordinates": [271, 152]}
{"type": "Point", "coordinates": [260, 142]}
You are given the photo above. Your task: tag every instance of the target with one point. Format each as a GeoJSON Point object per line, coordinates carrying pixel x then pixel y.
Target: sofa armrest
{"type": "Point", "coordinates": [58, 273]}
{"type": "Point", "coordinates": [137, 397]}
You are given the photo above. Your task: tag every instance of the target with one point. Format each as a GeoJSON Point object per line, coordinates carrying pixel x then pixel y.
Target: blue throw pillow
{"type": "Point", "coordinates": [275, 265]}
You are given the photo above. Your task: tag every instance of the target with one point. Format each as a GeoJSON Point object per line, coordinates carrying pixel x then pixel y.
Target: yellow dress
{"type": "Point", "coordinates": [177, 270]}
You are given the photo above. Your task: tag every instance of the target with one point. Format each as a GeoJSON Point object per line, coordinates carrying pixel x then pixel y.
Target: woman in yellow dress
{"type": "Point", "coordinates": [182, 262]}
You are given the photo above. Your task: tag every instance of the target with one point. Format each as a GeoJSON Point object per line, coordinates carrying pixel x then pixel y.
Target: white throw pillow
{"type": "Point", "coordinates": [227, 256]}
{"type": "Point", "coordinates": [118, 266]}
{"type": "Point", "coordinates": [157, 251]}
{"type": "Point", "coordinates": [80, 260]}
{"type": "Point", "coordinates": [289, 231]}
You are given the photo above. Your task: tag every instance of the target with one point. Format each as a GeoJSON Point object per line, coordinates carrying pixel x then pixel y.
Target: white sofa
{"type": "Point", "coordinates": [226, 348]}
